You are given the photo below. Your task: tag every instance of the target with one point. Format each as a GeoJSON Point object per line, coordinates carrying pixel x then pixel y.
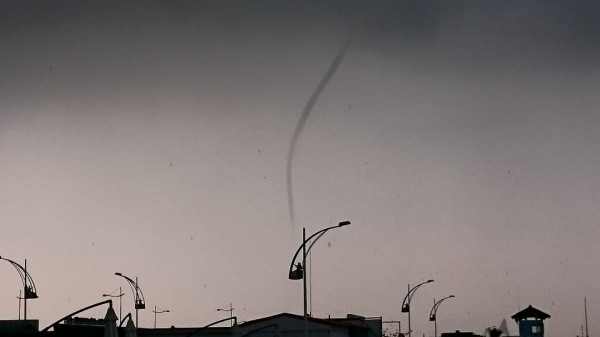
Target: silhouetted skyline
{"type": "Point", "coordinates": [151, 138]}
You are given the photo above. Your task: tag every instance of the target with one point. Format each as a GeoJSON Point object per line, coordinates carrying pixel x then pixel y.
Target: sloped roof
{"type": "Point", "coordinates": [530, 312]}
{"type": "Point", "coordinates": [325, 321]}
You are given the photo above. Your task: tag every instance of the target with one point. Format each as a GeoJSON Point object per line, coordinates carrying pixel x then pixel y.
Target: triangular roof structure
{"type": "Point", "coordinates": [330, 322]}
{"type": "Point", "coordinates": [110, 323]}
{"type": "Point", "coordinates": [530, 312]}
{"type": "Point", "coordinates": [130, 330]}
{"type": "Point", "coordinates": [504, 327]}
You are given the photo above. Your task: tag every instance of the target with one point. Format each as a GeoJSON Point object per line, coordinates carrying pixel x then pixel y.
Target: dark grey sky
{"type": "Point", "coordinates": [150, 138]}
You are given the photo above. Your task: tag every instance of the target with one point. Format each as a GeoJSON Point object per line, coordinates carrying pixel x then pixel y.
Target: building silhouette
{"type": "Point", "coordinates": [531, 322]}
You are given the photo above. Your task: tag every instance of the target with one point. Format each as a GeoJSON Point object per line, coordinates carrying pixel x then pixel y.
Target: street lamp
{"type": "Point", "coordinates": [433, 312]}
{"type": "Point", "coordinates": [139, 302]}
{"type": "Point", "coordinates": [407, 299]}
{"type": "Point", "coordinates": [120, 296]}
{"type": "Point", "coordinates": [299, 272]}
{"type": "Point", "coordinates": [28, 285]}
{"type": "Point", "coordinates": [230, 312]}
{"type": "Point", "coordinates": [157, 312]}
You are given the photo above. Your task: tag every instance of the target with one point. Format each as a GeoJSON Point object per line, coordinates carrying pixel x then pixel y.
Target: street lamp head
{"type": "Point", "coordinates": [118, 274]}
{"type": "Point", "coordinates": [30, 293]}
{"type": "Point", "coordinates": [429, 281]}
{"type": "Point", "coordinates": [298, 273]}
{"type": "Point", "coordinates": [343, 223]}
{"type": "Point", "coordinates": [406, 308]}
{"type": "Point", "coordinates": [451, 296]}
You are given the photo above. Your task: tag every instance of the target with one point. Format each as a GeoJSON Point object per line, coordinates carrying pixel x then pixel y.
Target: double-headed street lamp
{"type": "Point", "coordinates": [28, 285]}
{"type": "Point", "coordinates": [433, 312]}
{"type": "Point", "coordinates": [139, 302]}
{"type": "Point", "coordinates": [407, 299]}
{"type": "Point", "coordinates": [120, 296]}
{"type": "Point", "coordinates": [230, 312]}
{"type": "Point", "coordinates": [300, 271]}
{"type": "Point", "coordinates": [158, 312]}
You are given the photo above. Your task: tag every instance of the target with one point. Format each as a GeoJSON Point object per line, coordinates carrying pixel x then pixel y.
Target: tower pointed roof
{"type": "Point", "coordinates": [530, 312]}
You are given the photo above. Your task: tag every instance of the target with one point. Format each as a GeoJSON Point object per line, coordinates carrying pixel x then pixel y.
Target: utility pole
{"type": "Point", "coordinates": [25, 290]}
{"type": "Point", "coordinates": [586, 321]}
{"type": "Point", "coordinates": [19, 304]}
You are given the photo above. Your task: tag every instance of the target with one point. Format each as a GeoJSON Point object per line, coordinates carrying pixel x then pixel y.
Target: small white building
{"type": "Point", "coordinates": [291, 325]}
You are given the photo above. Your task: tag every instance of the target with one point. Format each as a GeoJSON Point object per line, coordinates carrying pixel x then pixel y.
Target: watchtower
{"type": "Point", "coordinates": [531, 322]}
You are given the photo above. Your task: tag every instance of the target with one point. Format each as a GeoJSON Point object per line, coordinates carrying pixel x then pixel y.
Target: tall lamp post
{"type": "Point", "coordinates": [139, 302]}
{"type": "Point", "coordinates": [28, 286]}
{"type": "Point", "coordinates": [157, 312]}
{"type": "Point", "coordinates": [120, 296]}
{"type": "Point", "coordinates": [230, 312]}
{"type": "Point", "coordinates": [407, 299]}
{"type": "Point", "coordinates": [433, 312]}
{"type": "Point", "coordinates": [299, 272]}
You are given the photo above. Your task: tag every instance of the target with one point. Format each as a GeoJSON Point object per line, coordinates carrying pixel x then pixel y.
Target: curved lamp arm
{"type": "Point", "coordinates": [234, 318]}
{"type": "Point", "coordinates": [435, 307]}
{"type": "Point", "coordinates": [294, 276]}
{"type": "Point", "coordinates": [28, 285]}
{"type": "Point", "coordinates": [315, 240]}
{"type": "Point", "coordinates": [276, 326]}
{"type": "Point", "coordinates": [109, 302]}
{"type": "Point", "coordinates": [124, 318]}
{"type": "Point", "coordinates": [409, 295]}
{"type": "Point", "coordinates": [140, 302]}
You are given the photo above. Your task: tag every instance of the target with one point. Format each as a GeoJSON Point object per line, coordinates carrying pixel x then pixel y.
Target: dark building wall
{"type": "Point", "coordinates": [19, 328]}
{"type": "Point", "coordinates": [63, 330]}
{"type": "Point", "coordinates": [531, 328]}
{"type": "Point", "coordinates": [460, 334]}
